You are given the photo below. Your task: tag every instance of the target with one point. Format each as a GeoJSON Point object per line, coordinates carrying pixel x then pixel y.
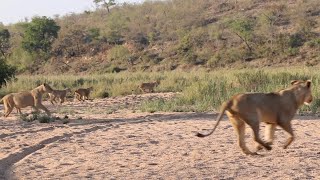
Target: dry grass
{"type": "Point", "coordinates": [200, 91]}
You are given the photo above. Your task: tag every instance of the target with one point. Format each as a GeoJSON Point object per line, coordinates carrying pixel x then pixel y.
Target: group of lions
{"type": "Point", "coordinates": [275, 108]}
{"type": "Point", "coordinates": [33, 98]}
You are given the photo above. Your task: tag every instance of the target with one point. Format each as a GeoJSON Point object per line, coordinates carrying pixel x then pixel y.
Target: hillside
{"type": "Point", "coordinates": [178, 34]}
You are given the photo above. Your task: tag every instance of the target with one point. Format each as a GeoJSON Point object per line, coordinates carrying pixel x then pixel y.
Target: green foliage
{"type": "Point", "coordinates": [197, 90]}
{"type": "Point", "coordinates": [119, 53]}
{"type": "Point", "coordinates": [72, 42]}
{"type": "Point", "coordinates": [253, 81]}
{"type": "Point", "coordinates": [116, 27]}
{"type": "Point", "coordinates": [21, 59]}
{"type": "Point", "coordinates": [36, 116]}
{"type": "Point", "coordinates": [243, 28]}
{"type": "Point", "coordinates": [296, 40]}
{"type": "Point", "coordinates": [6, 72]}
{"type": "Point", "coordinates": [4, 42]}
{"type": "Point", "coordinates": [176, 34]}
{"type": "Point", "coordinates": [314, 43]}
{"type": "Point", "coordinates": [94, 33]}
{"type": "Point", "coordinates": [208, 92]}
{"type": "Point", "coordinates": [40, 34]}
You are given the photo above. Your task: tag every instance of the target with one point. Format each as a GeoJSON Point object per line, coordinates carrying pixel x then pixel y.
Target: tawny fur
{"type": "Point", "coordinates": [83, 93]}
{"type": "Point", "coordinates": [275, 109]}
{"type": "Point", "coordinates": [24, 99]}
{"type": "Point", "coordinates": [148, 87]}
{"type": "Point", "coordinates": [60, 94]}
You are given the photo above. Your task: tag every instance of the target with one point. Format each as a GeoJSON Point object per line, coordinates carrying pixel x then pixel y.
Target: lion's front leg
{"type": "Point", "coordinates": [269, 135]}
{"type": "Point", "coordinates": [288, 128]}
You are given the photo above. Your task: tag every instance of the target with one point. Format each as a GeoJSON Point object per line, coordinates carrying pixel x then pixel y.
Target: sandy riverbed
{"type": "Point", "coordinates": [108, 139]}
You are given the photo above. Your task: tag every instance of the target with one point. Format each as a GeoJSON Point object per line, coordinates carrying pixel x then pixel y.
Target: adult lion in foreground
{"type": "Point", "coordinates": [276, 108]}
{"type": "Point", "coordinates": [60, 94]}
{"type": "Point", "coordinates": [83, 93]}
{"type": "Point", "coordinates": [148, 86]}
{"type": "Point", "coordinates": [24, 99]}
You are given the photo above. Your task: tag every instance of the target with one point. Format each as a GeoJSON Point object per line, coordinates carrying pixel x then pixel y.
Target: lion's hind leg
{"type": "Point", "coordinates": [8, 110]}
{"type": "Point", "coordinates": [52, 98]}
{"type": "Point", "coordinates": [62, 100]}
{"type": "Point", "coordinates": [239, 127]}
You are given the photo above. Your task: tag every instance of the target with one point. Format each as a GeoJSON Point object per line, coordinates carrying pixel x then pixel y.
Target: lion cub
{"type": "Point", "coordinates": [60, 94]}
{"type": "Point", "coordinates": [275, 109]}
{"type": "Point", "coordinates": [83, 93]}
{"type": "Point", "coordinates": [148, 86]}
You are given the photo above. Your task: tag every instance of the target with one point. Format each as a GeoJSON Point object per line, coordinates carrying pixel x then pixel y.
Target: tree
{"type": "Point", "coordinates": [40, 34]}
{"type": "Point", "coordinates": [105, 4]}
{"type": "Point", "coordinates": [243, 28]}
{"type": "Point", "coordinates": [72, 42]}
{"type": "Point", "coordinates": [4, 42]}
{"type": "Point", "coordinates": [6, 72]}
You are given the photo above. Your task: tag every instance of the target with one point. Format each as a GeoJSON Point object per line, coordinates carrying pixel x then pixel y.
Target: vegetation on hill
{"type": "Point", "coordinates": [6, 71]}
{"type": "Point", "coordinates": [168, 35]}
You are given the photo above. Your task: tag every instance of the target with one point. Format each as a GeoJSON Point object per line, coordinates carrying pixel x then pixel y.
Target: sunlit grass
{"type": "Point", "coordinates": [200, 91]}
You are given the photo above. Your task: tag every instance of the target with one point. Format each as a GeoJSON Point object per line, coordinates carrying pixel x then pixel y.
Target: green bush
{"type": "Point", "coordinates": [119, 54]}
{"type": "Point", "coordinates": [314, 43]}
{"type": "Point", "coordinates": [40, 34]}
{"type": "Point", "coordinates": [7, 72]}
{"type": "Point", "coordinates": [296, 40]}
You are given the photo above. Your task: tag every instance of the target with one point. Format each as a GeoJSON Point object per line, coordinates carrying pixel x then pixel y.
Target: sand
{"type": "Point", "coordinates": [110, 139]}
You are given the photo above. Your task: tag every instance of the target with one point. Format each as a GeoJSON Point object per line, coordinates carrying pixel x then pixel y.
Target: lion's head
{"type": "Point", "coordinates": [303, 91]}
{"type": "Point", "coordinates": [46, 88]}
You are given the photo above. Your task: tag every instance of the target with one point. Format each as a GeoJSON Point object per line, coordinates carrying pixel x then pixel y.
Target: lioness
{"type": "Point", "coordinates": [61, 94]}
{"type": "Point", "coordinates": [27, 98]}
{"type": "Point", "coordinates": [83, 93]}
{"type": "Point", "coordinates": [276, 108]}
{"type": "Point", "coordinates": [148, 86]}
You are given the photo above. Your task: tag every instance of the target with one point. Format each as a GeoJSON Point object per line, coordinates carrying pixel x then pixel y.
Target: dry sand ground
{"type": "Point", "coordinates": [105, 140]}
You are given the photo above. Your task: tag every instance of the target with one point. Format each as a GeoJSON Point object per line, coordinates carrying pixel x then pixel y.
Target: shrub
{"type": "Point", "coordinates": [119, 54]}
{"type": "Point", "coordinates": [6, 72]}
{"type": "Point", "coordinates": [296, 40]}
{"type": "Point", "coordinates": [314, 43]}
{"type": "Point", "coordinates": [42, 118]}
{"type": "Point", "coordinates": [40, 34]}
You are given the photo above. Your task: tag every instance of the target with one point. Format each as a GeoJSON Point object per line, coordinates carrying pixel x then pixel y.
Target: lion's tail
{"type": "Point", "coordinates": [223, 109]}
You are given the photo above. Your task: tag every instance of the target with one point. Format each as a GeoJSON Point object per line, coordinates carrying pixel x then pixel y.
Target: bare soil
{"type": "Point", "coordinates": [110, 139]}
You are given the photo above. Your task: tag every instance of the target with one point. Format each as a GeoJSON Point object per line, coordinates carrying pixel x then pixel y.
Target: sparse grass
{"type": "Point", "coordinates": [66, 110]}
{"type": "Point", "coordinates": [42, 118]}
{"type": "Point", "coordinates": [200, 91]}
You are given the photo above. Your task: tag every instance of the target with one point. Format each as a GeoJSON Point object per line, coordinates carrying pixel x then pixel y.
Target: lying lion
{"type": "Point", "coordinates": [277, 108]}
{"type": "Point", "coordinates": [148, 86]}
{"type": "Point", "coordinates": [31, 98]}
{"type": "Point", "coordinates": [60, 94]}
{"type": "Point", "coordinates": [83, 93]}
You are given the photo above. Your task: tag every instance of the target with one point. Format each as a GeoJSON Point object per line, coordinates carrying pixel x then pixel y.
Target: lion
{"type": "Point", "coordinates": [83, 93]}
{"type": "Point", "coordinates": [275, 109]}
{"type": "Point", "coordinates": [24, 99]}
{"type": "Point", "coordinates": [61, 94]}
{"type": "Point", "coordinates": [148, 86]}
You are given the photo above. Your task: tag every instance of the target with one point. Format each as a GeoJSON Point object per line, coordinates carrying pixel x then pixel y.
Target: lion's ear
{"type": "Point", "coordinates": [294, 81]}
{"type": "Point", "coordinates": [308, 83]}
